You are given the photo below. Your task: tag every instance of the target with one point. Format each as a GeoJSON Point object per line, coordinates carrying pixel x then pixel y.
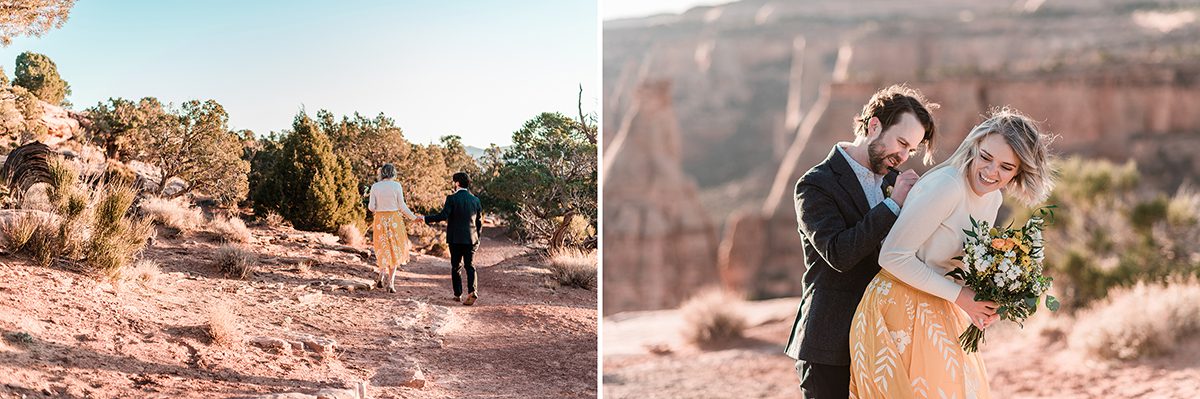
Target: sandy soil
{"type": "Point", "coordinates": [645, 356]}
{"type": "Point", "coordinates": [91, 339]}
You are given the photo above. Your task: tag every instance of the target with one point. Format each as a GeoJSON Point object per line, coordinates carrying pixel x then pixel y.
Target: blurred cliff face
{"type": "Point", "coordinates": [1115, 79]}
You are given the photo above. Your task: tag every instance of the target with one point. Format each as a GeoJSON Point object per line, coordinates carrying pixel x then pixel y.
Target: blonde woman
{"type": "Point", "coordinates": [904, 335]}
{"type": "Point", "coordinates": [389, 231]}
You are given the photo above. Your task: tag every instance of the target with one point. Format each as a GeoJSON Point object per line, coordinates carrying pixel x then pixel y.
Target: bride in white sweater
{"type": "Point", "coordinates": [903, 339]}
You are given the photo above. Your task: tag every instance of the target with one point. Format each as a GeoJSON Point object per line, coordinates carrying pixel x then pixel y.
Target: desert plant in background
{"type": "Point", "coordinates": [350, 235]}
{"type": "Point", "coordinates": [210, 162]}
{"type": "Point", "coordinates": [547, 177]}
{"type": "Point", "coordinates": [20, 230]}
{"type": "Point", "coordinates": [32, 18]}
{"type": "Point", "coordinates": [713, 318]}
{"type": "Point", "coordinates": [176, 213]}
{"type": "Point", "coordinates": [1143, 320]}
{"type": "Point", "coordinates": [273, 220]}
{"type": "Point", "coordinates": [144, 272]}
{"type": "Point", "coordinates": [222, 325]}
{"type": "Point", "coordinates": [573, 267]}
{"type": "Point", "coordinates": [235, 262]}
{"type": "Point", "coordinates": [39, 74]}
{"type": "Point", "coordinates": [90, 228]}
{"type": "Point", "coordinates": [1097, 198]}
{"type": "Point", "coordinates": [307, 183]}
{"type": "Point", "coordinates": [230, 229]}
{"type": "Point", "coordinates": [116, 239]}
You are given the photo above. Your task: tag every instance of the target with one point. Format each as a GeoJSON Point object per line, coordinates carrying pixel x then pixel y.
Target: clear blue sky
{"type": "Point", "coordinates": [478, 69]}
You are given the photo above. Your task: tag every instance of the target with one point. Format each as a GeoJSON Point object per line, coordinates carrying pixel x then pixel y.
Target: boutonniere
{"type": "Point", "coordinates": [887, 192]}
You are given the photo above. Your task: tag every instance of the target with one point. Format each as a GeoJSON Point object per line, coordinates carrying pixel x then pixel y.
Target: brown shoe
{"type": "Point", "coordinates": [470, 299]}
{"type": "Point", "coordinates": [457, 299]}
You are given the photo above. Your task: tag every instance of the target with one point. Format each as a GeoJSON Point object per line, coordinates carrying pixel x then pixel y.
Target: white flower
{"type": "Point", "coordinates": [998, 279]}
{"type": "Point", "coordinates": [902, 339]}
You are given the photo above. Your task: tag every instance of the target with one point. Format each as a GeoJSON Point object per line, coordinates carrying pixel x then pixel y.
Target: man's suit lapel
{"type": "Point", "coordinates": [841, 166]}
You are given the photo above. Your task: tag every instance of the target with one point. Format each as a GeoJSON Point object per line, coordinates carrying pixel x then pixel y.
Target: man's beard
{"type": "Point", "coordinates": [876, 158]}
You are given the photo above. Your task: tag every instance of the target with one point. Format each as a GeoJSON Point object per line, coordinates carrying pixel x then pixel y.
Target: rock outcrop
{"type": "Point", "coordinates": [659, 245]}
{"type": "Point", "coordinates": [1114, 81]}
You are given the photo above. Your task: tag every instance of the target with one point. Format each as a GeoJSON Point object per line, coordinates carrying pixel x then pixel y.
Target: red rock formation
{"type": "Point", "coordinates": [659, 246]}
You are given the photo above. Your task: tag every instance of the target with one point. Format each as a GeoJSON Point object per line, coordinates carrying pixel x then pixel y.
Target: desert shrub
{"type": "Point", "coordinates": [573, 267]}
{"type": "Point", "coordinates": [222, 325]}
{"type": "Point", "coordinates": [230, 229]}
{"type": "Point", "coordinates": [350, 235]}
{"type": "Point", "coordinates": [273, 219]}
{"type": "Point", "coordinates": [306, 182]}
{"type": "Point", "coordinates": [20, 230]}
{"type": "Point", "coordinates": [90, 228]}
{"type": "Point", "coordinates": [548, 176]}
{"type": "Point", "coordinates": [116, 239]}
{"type": "Point", "coordinates": [1143, 320]}
{"type": "Point", "coordinates": [1110, 232]}
{"type": "Point", "coordinates": [172, 213]}
{"type": "Point", "coordinates": [712, 318]}
{"type": "Point", "coordinates": [236, 262]}
{"type": "Point", "coordinates": [210, 163]}
{"type": "Point", "coordinates": [144, 271]}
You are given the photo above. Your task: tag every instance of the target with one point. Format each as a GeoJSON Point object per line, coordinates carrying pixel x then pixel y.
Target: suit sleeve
{"type": "Point", "coordinates": [927, 206]}
{"type": "Point", "coordinates": [842, 246]}
{"type": "Point", "coordinates": [440, 216]}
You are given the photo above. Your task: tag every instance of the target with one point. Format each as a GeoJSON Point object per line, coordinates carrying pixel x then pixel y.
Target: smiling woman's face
{"type": "Point", "coordinates": [994, 167]}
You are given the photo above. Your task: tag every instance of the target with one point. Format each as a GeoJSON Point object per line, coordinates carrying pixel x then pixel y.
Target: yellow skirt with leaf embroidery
{"type": "Point", "coordinates": [904, 344]}
{"type": "Point", "coordinates": [390, 240]}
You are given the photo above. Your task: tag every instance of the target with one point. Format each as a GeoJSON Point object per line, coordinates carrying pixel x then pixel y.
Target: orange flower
{"type": "Point", "coordinates": [1000, 244]}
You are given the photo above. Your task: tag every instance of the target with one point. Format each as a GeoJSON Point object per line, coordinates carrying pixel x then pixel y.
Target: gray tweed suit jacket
{"type": "Point", "coordinates": [841, 238]}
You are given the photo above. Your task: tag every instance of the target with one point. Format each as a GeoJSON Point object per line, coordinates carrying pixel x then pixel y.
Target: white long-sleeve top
{"type": "Point", "coordinates": [929, 231]}
{"type": "Point", "coordinates": [388, 196]}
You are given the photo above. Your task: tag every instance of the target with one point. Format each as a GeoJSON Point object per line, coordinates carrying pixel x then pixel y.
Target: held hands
{"type": "Point", "coordinates": [904, 183]}
{"type": "Point", "coordinates": [419, 218]}
{"type": "Point", "coordinates": [982, 313]}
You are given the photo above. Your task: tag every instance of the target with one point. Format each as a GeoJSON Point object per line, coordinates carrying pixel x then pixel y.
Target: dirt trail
{"type": "Point", "coordinates": [645, 356]}
{"type": "Point", "coordinates": [92, 340]}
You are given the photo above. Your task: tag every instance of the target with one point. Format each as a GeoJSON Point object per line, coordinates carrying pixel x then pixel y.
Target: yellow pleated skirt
{"type": "Point", "coordinates": [390, 241]}
{"type": "Point", "coordinates": [904, 344]}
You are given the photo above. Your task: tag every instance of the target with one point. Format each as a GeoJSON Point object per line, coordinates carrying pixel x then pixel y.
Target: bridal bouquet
{"type": "Point", "coordinates": [1004, 265]}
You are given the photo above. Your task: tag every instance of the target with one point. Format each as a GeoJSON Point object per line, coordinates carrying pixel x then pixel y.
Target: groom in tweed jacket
{"type": "Point", "coordinates": [845, 206]}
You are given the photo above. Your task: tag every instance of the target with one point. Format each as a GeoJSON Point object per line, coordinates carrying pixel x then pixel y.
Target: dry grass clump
{"type": "Point", "coordinates": [351, 235]}
{"type": "Point", "coordinates": [89, 227]}
{"type": "Point", "coordinates": [711, 318]}
{"type": "Point", "coordinates": [273, 220]}
{"type": "Point", "coordinates": [19, 231]}
{"type": "Point", "coordinates": [236, 262]}
{"type": "Point", "coordinates": [174, 214]}
{"type": "Point", "coordinates": [1143, 320]}
{"type": "Point", "coordinates": [144, 272]}
{"type": "Point", "coordinates": [222, 325]}
{"type": "Point", "coordinates": [230, 230]}
{"type": "Point", "coordinates": [573, 267]}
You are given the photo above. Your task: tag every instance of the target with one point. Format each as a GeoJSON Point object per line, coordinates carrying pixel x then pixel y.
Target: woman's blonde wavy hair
{"type": "Point", "coordinates": [1034, 179]}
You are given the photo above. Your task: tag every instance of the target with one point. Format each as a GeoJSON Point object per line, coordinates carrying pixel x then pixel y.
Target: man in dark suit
{"type": "Point", "coordinates": [464, 221]}
{"type": "Point", "coordinates": [845, 207]}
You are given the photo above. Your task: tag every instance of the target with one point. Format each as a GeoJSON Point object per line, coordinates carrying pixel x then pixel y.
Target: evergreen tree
{"type": "Point", "coordinates": [306, 182]}
{"type": "Point", "coordinates": [38, 73]}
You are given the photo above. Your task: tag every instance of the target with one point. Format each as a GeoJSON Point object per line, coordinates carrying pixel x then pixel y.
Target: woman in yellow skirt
{"type": "Point", "coordinates": [389, 232]}
{"type": "Point", "coordinates": [904, 335]}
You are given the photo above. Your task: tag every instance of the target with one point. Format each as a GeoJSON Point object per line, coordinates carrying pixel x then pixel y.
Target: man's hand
{"type": "Point", "coordinates": [904, 183]}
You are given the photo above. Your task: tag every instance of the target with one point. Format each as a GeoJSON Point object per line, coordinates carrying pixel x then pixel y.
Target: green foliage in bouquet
{"type": "Point", "coordinates": [1005, 265]}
